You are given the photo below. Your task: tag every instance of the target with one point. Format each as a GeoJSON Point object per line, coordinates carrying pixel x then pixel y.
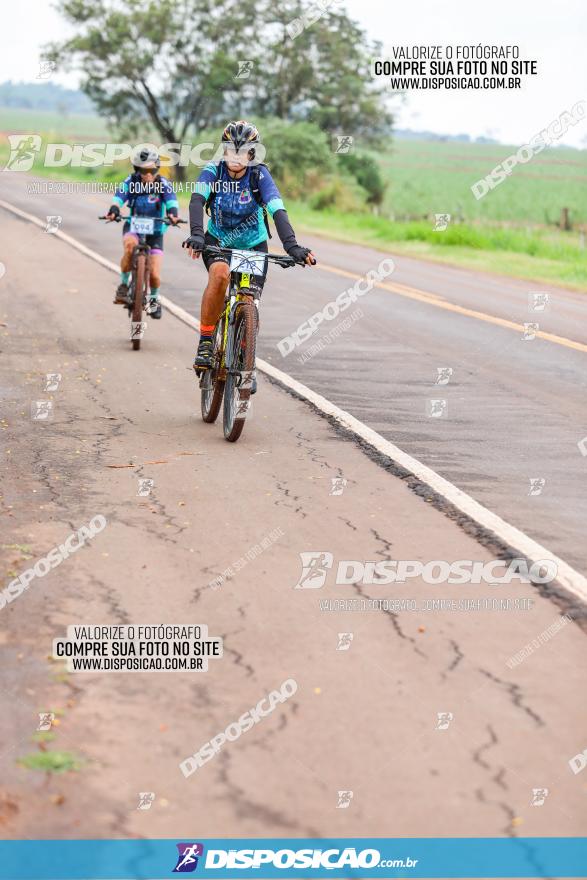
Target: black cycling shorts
{"type": "Point", "coordinates": [209, 258]}
{"type": "Point", "coordinates": [155, 241]}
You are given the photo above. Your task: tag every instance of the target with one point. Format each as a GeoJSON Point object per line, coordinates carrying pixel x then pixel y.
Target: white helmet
{"type": "Point", "coordinates": [145, 159]}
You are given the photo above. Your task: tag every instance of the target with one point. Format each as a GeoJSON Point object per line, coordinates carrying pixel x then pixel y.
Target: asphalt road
{"type": "Point", "coordinates": [363, 720]}
{"type": "Point", "coordinates": [515, 408]}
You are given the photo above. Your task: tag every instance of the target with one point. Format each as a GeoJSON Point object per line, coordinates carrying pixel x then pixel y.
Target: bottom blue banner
{"type": "Point", "coordinates": [273, 858]}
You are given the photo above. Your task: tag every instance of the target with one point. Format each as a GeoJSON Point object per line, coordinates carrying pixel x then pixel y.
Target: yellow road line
{"type": "Point", "coordinates": [434, 300]}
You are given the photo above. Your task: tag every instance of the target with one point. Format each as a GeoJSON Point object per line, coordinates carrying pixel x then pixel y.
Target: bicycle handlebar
{"type": "Point", "coordinates": [284, 261]}
{"type": "Point", "coordinates": [120, 217]}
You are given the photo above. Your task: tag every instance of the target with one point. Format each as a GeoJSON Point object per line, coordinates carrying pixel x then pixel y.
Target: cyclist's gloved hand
{"type": "Point", "coordinates": [302, 255]}
{"type": "Point", "coordinates": [194, 243]}
{"type": "Point", "coordinates": [113, 212]}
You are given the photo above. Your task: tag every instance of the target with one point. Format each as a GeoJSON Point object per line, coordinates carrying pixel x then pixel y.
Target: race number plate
{"type": "Point", "coordinates": [250, 262]}
{"type": "Point", "coordinates": [142, 225]}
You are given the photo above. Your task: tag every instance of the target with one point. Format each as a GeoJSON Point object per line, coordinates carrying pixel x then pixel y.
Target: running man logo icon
{"type": "Point", "coordinates": [53, 223]}
{"type": "Point", "coordinates": [443, 375]}
{"type": "Point", "coordinates": [315, 565]}
{"type": "Point", "coordinates": [52, 381]}
{"type": "Point", "coordinates": [344, 800]}
{"type": "Point", "coordinates": [538, 302]}
{"type": "Point", "coordinates": [344, 143]}
{"type": "Point", "coordinates": [46, 720]}
{"type": "Point", "coordinates": [530, 330]}
{"type": "Point", "coordinates": [46, 68]}
{"type": "Point", "coordinates": [537, 484]}
{"type": "Point", "coordinates": [539, 795]}
{"type": "Point", "coordinates": [437, 408]}
{"type": "Point", "coordinates": [337, 485]}
{"type": "Point", "coordinates": [243, 409]}
{"type": "Point", "coordinates": [146, 799]}
{"type": "Point", "coordinates": [41, 410]}
{"type": "Point", "coordinates": [344, 641]}
{"type": "Point", "coordinates": [244, 69]}
{"type": "Point", "coordinates": [23, 149]}
{"type": "Point", "coordinates": [444, 719]}
{"type": "Point", "coordinates": [187, 860]}
{"type": "Point", "coordinates": [441, 222]}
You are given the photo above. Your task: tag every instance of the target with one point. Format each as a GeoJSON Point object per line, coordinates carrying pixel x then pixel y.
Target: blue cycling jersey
{"type": "Point", "coordinates": [146, 199]}
{"type": "Point", "coordinates": [236, 219]}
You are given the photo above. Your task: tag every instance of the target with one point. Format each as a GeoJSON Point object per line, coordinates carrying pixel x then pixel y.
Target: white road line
{"type": "Point", "coordinates": [567, 577]}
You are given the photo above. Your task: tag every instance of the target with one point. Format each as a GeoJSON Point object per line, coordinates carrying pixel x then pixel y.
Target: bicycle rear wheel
{"type": "Point", "coordinates": [237, 393]}
{"type": "Point", "coordinates": [137, 307]}
{"type": "Point", "coordinates": [212, 382]}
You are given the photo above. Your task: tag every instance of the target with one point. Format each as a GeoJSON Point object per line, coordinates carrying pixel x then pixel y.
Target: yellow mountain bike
{"type": "Point", "coordinates": [235, 337]}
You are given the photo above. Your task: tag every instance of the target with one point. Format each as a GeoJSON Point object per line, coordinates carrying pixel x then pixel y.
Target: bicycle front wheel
{"type": "Point", "coordinates": [240, 367]}
{"type": "Point", "coordinates": [139, 279]}
{"type": "Point", "coordinates": [212, 382]}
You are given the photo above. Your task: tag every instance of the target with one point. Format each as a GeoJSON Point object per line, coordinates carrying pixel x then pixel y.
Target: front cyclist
{"type": "Point", "coordinates": [237, 195]}
{"type": "Point", "coordinates": [147, 194]}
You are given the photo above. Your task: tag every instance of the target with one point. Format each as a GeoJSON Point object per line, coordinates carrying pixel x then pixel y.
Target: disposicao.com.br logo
{"type": "Point", "coordinates": [302, 859]}
{"type": "Point", "coordinates": [316, 565]}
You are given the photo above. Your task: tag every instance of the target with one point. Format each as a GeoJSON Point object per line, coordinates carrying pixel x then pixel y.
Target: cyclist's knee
{"type": "Point", "coordinates": [219, 274]}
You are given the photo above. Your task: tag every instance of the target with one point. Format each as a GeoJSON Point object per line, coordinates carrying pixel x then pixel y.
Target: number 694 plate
{"type": "Point", "coordinates": [142, 225]}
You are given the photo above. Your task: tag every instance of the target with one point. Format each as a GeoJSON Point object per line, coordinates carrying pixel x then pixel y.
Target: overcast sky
{"type": "Point", "coordinates": [554, 34]}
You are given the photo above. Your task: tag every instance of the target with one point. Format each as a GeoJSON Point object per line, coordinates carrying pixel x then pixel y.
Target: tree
{"type": "Point", "coordinates": [367, 173]}
{"type": "Point", "coordinates": [174, 66]}
{"type": "Point", "coordinates": [319, 70]}
{"type": "Point", "coordinates": [166, 65]}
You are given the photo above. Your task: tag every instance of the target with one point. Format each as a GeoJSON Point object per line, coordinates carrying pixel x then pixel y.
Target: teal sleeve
{"type": "Point", "coordinates": [206, 179]}
{"type": "Point", "coordinates": [275, 205]}
{"type": "Point", "coordinates": [121, 194]}
{"type": "Point", "coordinates": [269, 192]}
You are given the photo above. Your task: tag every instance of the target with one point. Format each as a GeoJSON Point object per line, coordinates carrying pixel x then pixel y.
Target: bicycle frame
{"type": "Point", "coordinates": [241, 287]}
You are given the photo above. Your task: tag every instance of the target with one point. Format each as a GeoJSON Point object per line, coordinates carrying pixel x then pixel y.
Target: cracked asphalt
{"type": "Point", "coordinates": [363, 720]}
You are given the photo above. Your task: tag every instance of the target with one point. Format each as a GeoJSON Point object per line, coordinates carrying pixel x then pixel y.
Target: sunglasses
{"type": "Point", "coordinates": [145, 171]}
{"type": "Point", "coordinates": [241, 153]}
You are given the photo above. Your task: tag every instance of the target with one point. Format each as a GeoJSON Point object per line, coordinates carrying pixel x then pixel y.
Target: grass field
{"type": "Point", "coordinates": [435, 177]}
{"type": "Point", "coordinates": [512, 230]}
{"type": "Point", "coordinates": [544, 255]}
{"type": "Point", "coordinates": [48, 123]}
